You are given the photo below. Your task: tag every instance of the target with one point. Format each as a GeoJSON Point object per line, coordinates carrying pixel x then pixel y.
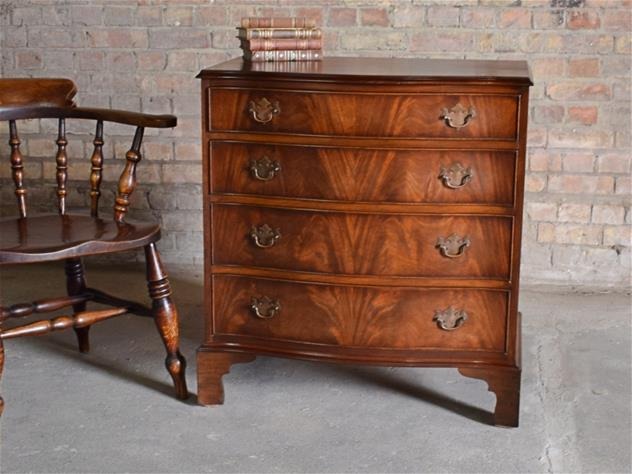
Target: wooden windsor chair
{"type": "Point", "coordinates": [69, 237]}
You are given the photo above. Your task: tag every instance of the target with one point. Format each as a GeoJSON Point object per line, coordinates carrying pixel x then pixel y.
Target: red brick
{"type": "Point", "coordinates": [548, 19]}
{"type": "Point", "coordinates": [28, 59]}
{"type": "Point", "coordinates": [579, 162]}
{"type": "Point", "coordinates": [408, 15]}
{"type": "Point", "coordinates": [583, 67]}
{"type": "Point", "coordinates": [121, 61]}
{"type": "Point", "coordinates": [478, 17]}
{"type": "Point", "coordinates": [151, 60]}
{"type": "Point", "coordinates": [578, 234]}
{"type": "Point", "coordinates": [210, 15]}
{"type": "Point", "coordinates": [514, 18]}
{"type": "Point", "coordinates": [617, 19]}
{"type": "Point", "coordinates": [576, 90]}
{"type": "Point", "coordinates": [442, 16]}
{"type": "Point", "coordinates": [178, 16]}
{"type": "Point", "coordinates": [173, 38]}
{"type": "Point", "coordinates": [118, 15]}
{"type": "Point", "coordinates": [315, 13]}
{"type": "Point", "coordinates": [548, 114]}
{"type": "Point", "coordinates": [149, 16]}
{"type": "Point", "coordinates": [541, 211]}
{"type": "Point", "coordinates": [570, 212]}
{"type": "Point", "coordinates": [90, 60]}
{"type": "Point", "coordinates": [117, 38]}
{"type": "Point", "coordinates": [374, 17]}
{"type": "Point", "coordinates": [606, 214]}
{"type": "Point", "coordinates": [441, 40]}
{"type": "Point", "coordinates": [581, 184]}
{"type": "Point", "coordinates": [547, 67]}
{"type": "Point", "coordinates": [582, 115]}
{"type": "Point", "coordinates": [614, 162]}
{"type": "Point", "coordinates": [584, 20]}
{"type": "Point", "coordinates": [580, 138]}
{"type": "Point", "coordinates": [342, 17]}
{"type": "Point", "coordinates": [535, 183]}
{"type": "Point", "coordinates": [617, 235]}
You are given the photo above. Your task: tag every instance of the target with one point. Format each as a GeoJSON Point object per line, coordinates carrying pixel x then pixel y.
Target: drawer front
{"type": "Point", "coordinates": [370, 115]}
{"type": "Point", "coordinates": [369, 175]}
{"type": "Point", "coordinates": [361, 316]}
{"type": "Point", "coordinates": [362, 244]}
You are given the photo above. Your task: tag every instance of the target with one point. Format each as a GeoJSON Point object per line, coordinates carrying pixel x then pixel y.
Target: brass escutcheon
{"type": "Point", "coordinates": [264, 307]}
{"type": "Point", "coordinates": [264, 169]}
{"type": "Point", "coordinates": [262, 110]}
{"type": "Point", "coordinates": [458, 116]}
{"type": "Point", "coordinates": [453, 246]}
{"type": "Point", "coordinates": [450, 318]}
{"type": "Point", "coordinates": [264, 236]}
{"type": "Point", "coordinates": [455, 176]}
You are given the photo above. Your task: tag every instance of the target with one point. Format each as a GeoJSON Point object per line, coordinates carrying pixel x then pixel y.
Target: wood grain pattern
{"type": "Point", "coordinates": [368, 115]}
{"type": "Point", "coordinates": [44, 238]}
{"type": "Point", "coordinates": [361, 174]}
{"type": "Point", "coordinates": [361, 165]}
{"type": "Point", "coordinates": [362, 244]}
{"type": "Point", "coordinates": [57, 237]}
{"type": "Point", "coordinates": [361, 316]}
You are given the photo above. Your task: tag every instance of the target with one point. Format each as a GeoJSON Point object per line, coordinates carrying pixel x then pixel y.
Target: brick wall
{"type": "Point", "coordinates": [144, 56]}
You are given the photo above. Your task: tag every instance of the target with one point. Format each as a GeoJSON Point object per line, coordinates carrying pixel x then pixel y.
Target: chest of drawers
{"type": "Point", "coordinates": [365, 211]}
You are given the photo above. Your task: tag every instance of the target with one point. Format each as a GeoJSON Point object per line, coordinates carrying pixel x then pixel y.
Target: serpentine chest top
{"type": "Point", "coordinates": [365, 211]}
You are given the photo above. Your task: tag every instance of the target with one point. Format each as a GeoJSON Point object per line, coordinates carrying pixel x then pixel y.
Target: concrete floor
{"type": "Point", "coordinates": [111, 410]}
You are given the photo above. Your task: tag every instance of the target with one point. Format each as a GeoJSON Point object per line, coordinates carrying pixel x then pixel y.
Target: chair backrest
{"type": "Point", "coordinates": [53, 98]}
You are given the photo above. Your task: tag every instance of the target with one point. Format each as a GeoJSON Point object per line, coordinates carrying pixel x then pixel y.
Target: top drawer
{"type": "Point", "coordinates": [454, 116]}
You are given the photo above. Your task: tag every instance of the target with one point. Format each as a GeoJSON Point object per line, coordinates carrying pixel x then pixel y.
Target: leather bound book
{"type": "Point", "coordinates": [271, 33]}
{"type": "Point", "coordinates": [281, 43]}
{"type": "Point", "coordinates": [284, 55]}
{"type": "Point", "coordinates": [277, 22]}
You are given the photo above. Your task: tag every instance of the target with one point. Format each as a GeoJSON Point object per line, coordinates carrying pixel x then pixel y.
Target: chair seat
{"type": "Point", "coordinates": [53, 237]}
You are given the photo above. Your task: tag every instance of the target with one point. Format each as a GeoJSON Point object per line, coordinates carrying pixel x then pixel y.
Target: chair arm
{"type": "Point", "coordinates": [12, 112]}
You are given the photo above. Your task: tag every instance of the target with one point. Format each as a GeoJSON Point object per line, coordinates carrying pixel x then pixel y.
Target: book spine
{"type": "Point", "coordinates": [277, 22]}
{"type": "Point", "coordinates": [278, 43]}
{"type": "Point", "coordinates": [284, 55]}
{"type": "Point", "coordinates": [278, 33]}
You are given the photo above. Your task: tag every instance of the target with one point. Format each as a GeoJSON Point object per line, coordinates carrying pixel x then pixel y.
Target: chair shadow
{"type": "Point", "coordinates": [70, 352]}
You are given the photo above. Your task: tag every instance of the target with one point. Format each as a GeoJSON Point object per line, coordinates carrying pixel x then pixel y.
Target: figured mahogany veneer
{"type": "Point", "coordinates": [362, 244]}
{"type": "Point", "coordinates": [371, 175]}
{"type": "Point", "coordinates": [365, 211]}
{"type": "Point", "coordinates": [372, 114]}
{"type": "Point", "coordinates": [361, 316]}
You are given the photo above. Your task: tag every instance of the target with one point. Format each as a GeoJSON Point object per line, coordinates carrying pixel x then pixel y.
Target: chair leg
{"type": "Point", "coordinates": [166, 318]}
{"type": "Point", "coordinates": [76, 284]}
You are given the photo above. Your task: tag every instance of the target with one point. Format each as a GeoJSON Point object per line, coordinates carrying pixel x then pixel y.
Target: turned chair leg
{"type": "Point", "coordinates": [75, 285]}
{"type": "Point", "coordinates": [166, 318]}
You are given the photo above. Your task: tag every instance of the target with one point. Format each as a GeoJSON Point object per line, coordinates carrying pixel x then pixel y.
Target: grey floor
{"type": "Point", "coordinates": [111, 410]}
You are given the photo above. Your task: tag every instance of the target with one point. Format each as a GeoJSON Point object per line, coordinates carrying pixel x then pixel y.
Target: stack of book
{"type": "Point", "coordinates": [280, 39]}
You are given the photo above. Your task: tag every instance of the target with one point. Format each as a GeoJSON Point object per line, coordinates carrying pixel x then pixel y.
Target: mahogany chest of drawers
{"type": "Point", "coordinates": [365, 211]}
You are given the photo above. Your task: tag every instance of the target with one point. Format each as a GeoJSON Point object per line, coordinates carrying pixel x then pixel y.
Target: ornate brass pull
{"type": "Point", "coordinates": [453, 246]}
{"type": "Point", "coordinates": [456, 176]}
{"type": "Point", "coordinates": [450, 319]}
{"type": "Point", "coordinates": [265, 307]}
{"type": "Point", "coordinates": [458, 116]}
{"type": "Point", "coordinates": [264, 236]}
{"type": "Point", "coordinates": [264, 169]}
{"type": "Point", "coordinates": [263, 110]}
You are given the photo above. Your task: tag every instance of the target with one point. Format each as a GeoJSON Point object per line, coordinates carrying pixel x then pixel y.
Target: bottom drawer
{"type": "Point", "coordinates": [404, 318]}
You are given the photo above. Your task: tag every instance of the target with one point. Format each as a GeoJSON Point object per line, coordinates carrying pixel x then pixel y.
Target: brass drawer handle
{"type": "Point", "coordinates": [264, 169]}
{"type": "Point", "coordinates": [265, 307]}
{"type": "Point", "coordinates": [450, 319]}
{"type": "Point", "coordinates": [264, 236]}
{"type": "Point", "coordinates": [455, 176]}
{"type": "Point", "coordinates": [262, 110]}
{"type": "Point", "coordinates": [458, 116]}
{"type": "Point", "coordinates": [453, 246]}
